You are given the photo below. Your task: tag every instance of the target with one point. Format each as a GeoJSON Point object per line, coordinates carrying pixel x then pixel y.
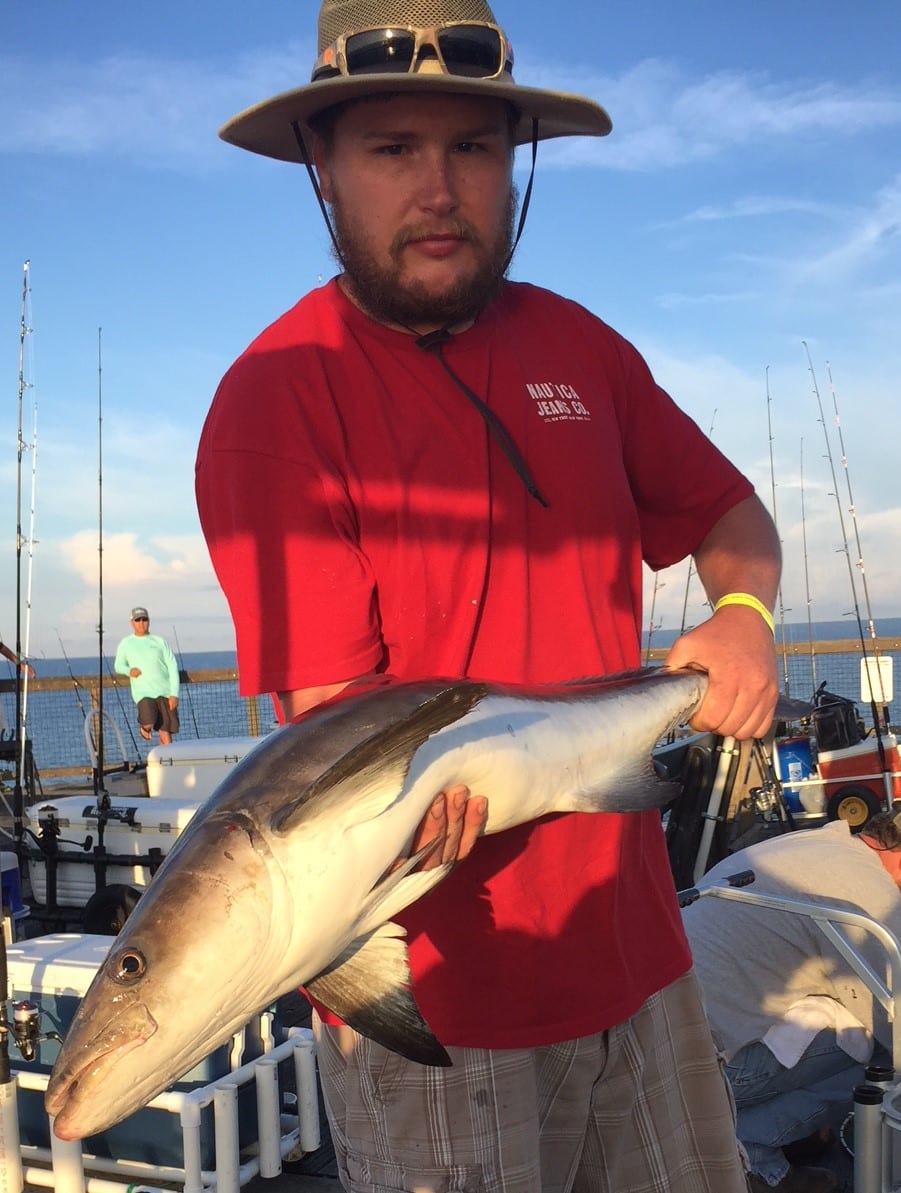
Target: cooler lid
{"type": "Point", "coordinates": [868, 748]}
{"type": "Point", "coordinates": [61, 963]}
{"type": "Point", "coordinates": [203, 750]}
{"type": "Point", "coordinates": [125, 815]}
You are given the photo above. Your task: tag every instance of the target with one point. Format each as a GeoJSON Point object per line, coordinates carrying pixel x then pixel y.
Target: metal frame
{"type": "Point", "coordinates": [64, 1168]}
{"type": "Point", "coordinates": [877, 1130]}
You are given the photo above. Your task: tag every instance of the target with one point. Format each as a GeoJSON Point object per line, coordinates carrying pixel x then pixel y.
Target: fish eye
{"type": "Point", "coordinates": [130, 965]}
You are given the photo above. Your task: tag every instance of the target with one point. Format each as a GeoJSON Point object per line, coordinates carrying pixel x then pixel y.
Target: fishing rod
{"type": "Point", "coordinates": [9, 1122]}
{"type": "Point", "coordinates": [852, 508]}
{"type": "Point", "coordinates": [841, 517]}
{"type": "Point", "coordinates": [769, 425]}
{"type": "Point", "coordinates": [126, 719]}
{"type": "Point", "coordinates": [691, 559]}
{"type": "Point", "coordinates": [11, 1177]}
{"type": "Point", "coordinates": [18, 798]}
{"type": "Point", "coordinates": [683, 622]}
{"type": "Point", "coordinates": [75, 684]}
{"type": "Point", "coordinates": [813, 657]}
{"type": "Point", "coordinates": [181, 665]}
{"type": "Point", "coordinates": [658, 583]}
{"type": "Point", "coordinates": [100, 792]}
{"type": "Point", "coordinates": [24, 764]}
{"type": "Point", "coordinates": [877, 727]}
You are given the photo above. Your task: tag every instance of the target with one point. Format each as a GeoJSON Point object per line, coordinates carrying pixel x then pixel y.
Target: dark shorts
{"type": "Point", "coordinates": [155, 713]}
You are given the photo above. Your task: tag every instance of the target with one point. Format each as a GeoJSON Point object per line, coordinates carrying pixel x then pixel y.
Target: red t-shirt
{"type": "Point", "coordinates": [360, 516]}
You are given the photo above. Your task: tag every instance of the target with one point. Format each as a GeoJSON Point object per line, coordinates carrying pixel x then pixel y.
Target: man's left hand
{"type": "Point", "coordinates": [736, 649]}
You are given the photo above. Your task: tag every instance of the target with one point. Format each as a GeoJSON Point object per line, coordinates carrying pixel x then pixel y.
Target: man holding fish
{"type": "Point", "coordinates": [423, 469]}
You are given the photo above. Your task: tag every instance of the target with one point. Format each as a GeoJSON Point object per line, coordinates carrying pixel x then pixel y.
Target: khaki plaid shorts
{"type": "Point", "coordinates": [642, 1108]}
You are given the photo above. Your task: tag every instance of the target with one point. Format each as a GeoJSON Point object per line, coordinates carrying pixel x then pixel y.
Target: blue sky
{"type": "Point", "coordinates": [748, 200]}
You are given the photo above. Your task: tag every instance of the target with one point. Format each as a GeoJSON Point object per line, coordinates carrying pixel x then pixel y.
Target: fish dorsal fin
{"type": "Point", "coordinates": [368, 986]}
{"type": "Point", "coordinates": [613, 678]}
{"type": "Point", "coordinates": [377, 766]}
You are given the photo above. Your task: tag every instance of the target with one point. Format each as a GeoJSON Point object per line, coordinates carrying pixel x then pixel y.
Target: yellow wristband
{"type": "Point", "coordinates": [745, 598]}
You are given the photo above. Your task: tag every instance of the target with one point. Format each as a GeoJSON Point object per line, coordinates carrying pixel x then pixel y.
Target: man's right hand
{"type": "Point", "coordinates": [455, 821]}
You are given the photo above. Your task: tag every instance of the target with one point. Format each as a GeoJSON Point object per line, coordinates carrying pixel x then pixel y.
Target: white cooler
{"type": "Point", "coordinates": [194, 769]}
{"type": "Point", "coordinates": [136, 826]}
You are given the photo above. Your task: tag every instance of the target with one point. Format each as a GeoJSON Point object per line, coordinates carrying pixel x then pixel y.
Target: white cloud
{"type": "Point", "coordinates": [672, 299]}
{"type": "Point", "coordinates": [754, 207]}
{"type": "Point", "coordinates": [170, 574]}
{"type": "Point", "coordinates": [663, 118]}
{"type": "Point", "coordinates": [850, 245]}
{"type": "Point", "coordinates": [161, 111]}
{"type": "Point", "coordinates": [815, 566]}
{"type": "Point", "coordinates": [730, 404]}
{"type": "Point", "coordinates": [126, 561]}
{"type": "Point", "coordinates": [716, 392]}
{"type": "Point", "coordinates": [149, 110]}
{"type": "Point", "coordinates": [873, 236]}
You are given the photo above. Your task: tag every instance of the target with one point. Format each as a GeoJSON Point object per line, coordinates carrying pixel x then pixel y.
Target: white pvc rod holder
{"type": "Point", "coordinates": [190, 1129]}
{"type": "Point", "coordinates": [68, 1169]}
{"type": "Point", "coordinates": [11, 1180]}
{"type": "Point", "coordinates": [268, 1118]}
{"type": "Point", "coordinates": [307, 1096]}
{"type": "Point", "coordinates": [225, 1116]}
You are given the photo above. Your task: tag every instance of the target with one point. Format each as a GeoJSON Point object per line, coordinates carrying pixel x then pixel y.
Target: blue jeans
{"type": "Point", "coordinates": [776, 1105]}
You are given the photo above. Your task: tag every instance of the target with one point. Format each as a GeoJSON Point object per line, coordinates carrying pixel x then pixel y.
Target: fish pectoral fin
{"type": "Point", "coordinates": [375, 769]}
{"type": "Point", "coordinates": [368, 986]}
{"type": "Point", "coordinates": [638, 790]}
{"type": "Point", "coordinates": [398, 889]}
{"type": "Point", "coordinates": [789, 709]}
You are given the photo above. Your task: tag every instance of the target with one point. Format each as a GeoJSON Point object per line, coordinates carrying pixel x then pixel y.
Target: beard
{"type": "Point", "coordinates": [381, 292]}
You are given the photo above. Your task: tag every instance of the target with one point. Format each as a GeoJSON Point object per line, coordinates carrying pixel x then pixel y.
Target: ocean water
{"type": "Point", "coordinates": [799, 634]}
{"type": "Point", "coordinates": [805, 669]}
{"type": "Point", "coordinates": [203, 660]}
{"type": "Point", "coordinates": [56, 720]}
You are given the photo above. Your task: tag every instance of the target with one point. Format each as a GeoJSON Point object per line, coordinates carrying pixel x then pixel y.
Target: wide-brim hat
{"type": "Point", "coordinates": [268, 127]}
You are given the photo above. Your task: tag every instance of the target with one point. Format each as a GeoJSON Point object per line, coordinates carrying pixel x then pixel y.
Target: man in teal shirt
{"type": "Point", "coordinates": [150, 665]}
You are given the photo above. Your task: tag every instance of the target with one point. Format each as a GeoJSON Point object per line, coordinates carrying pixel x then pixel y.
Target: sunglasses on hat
{"type": "Point", "coordinates": [476, 51]}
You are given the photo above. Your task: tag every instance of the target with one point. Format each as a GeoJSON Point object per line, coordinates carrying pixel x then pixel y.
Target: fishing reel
{"type": "Point", "coordinates": [25, 1029]}
{"type": "Point", "coordinates": [50, 837]}
{"type": "Point", "coordinates": [765, 802]}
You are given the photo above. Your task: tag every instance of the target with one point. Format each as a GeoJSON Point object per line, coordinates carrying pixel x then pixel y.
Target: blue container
{"type": "Point", "coordinates": [795, 765]}
{"type": "Point", "coordinates": [10, 886]}
{"type": "Point", "coordinates": [11, 893]}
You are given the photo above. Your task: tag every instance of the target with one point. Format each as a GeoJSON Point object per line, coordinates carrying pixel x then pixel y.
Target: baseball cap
{"type": "Point", "coordinates": [139, 611]}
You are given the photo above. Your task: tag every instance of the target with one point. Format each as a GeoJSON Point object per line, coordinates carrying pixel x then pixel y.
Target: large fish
{"type": "Point", "coordinates": [287, 875]}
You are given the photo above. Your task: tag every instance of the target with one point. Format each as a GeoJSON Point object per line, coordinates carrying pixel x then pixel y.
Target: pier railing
{"type": "Point", "coordinates": [62, 718]}
{"type": "Point", "coordinates": [837, 663]}
{"type": "Point", "coordinates": [59, 707]}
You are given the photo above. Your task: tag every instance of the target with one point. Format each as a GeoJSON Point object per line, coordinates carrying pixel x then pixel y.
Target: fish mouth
{"type": "Point", "coordinates": [73, 1097]}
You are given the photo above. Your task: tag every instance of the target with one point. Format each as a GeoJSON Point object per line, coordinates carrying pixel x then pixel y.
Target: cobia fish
{"type": "Point", "coordinates": [287, 875]}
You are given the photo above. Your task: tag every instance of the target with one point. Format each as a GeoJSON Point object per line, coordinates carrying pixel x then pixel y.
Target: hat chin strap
{"type": "Point", "coordinates": [305, 156]}
{"type": "Point", "coordinates": [527, 197]}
